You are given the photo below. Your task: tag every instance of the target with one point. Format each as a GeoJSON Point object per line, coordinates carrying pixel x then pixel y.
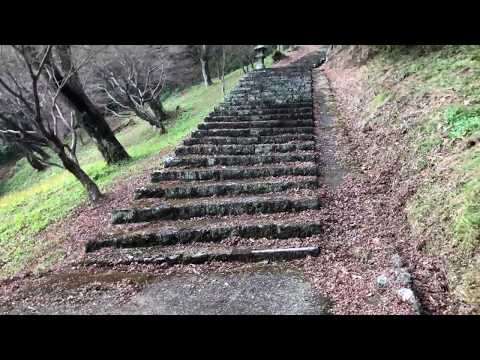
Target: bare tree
{"type": "Point", "coordinates": [204, 59]}
{"type": "Point", "coordinates": [328, 52]}
{"type": "Point", "coordinates": [41, 111]}
{"type": "Point", "coordinates": [91, 119]}
{"type": "Point", "coordinates": [136, 86]}
{"type": "Point", "coordinates": [222, 77]}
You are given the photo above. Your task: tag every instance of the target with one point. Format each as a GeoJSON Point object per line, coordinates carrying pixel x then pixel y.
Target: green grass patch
{"type": "Point", "coordinates": [440, 100]}
{"type": "Point", "coordinates": [453, 212]}
{"type": "Point", "coordinates": [462, 120]}
{"type": "Point", "coordinates": [30, 200]}
{"type": "Point", "coordinates": [378, 101]}
{"type": "Point", "coordinates": [428, 136]}
{"type": "Point", "coordinates": [381, 99]}
{"type": "Point", "coordinates": [467, 223]}
{"type": "Point", "coordinates": [466, 226]}
{"type": "Point", "coordinates": [432, 211]}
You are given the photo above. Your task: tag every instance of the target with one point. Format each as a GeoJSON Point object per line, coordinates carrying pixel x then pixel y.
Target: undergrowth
{"type": "Point", "coordinates": [445, 141]}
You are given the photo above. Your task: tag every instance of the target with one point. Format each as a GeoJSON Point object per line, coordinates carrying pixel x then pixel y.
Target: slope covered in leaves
{"type": "Point", "coordinates": [418, 109]}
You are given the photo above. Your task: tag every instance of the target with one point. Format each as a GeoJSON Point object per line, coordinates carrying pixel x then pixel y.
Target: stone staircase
{"type": "Point", "coordinates": [241, 188]}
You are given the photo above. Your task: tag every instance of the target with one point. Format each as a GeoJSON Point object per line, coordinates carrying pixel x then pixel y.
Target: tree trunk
{"type": "Point", "coordinates": [223, 70]}
{"type": "Point", "coordinates": [158, 110]}
{"type": "Point", "coordinates": [92, 120]}
{"type": "Point", "coordinates": [206, 73]}
{"type": "Point", "coordinates": [34, 163]}
{"type": "Point", "coordinates": [88, 184]}
{"type": "Point", "coordinates": [96, 126]}
{"type": "Point", "coordinates": [205, 70]}
{"type": "Point", "coordinates": [29, 151]}
{"type": "Point", "coordinates": [152, 113]}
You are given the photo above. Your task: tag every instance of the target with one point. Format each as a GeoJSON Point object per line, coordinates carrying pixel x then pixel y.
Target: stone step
{"type": "Point", "coordinates": [234, 173]}
{"type": "Point", "coordinates": [265, 111]}
{"type": "Point", "coordinates": [256, 124]}
{"type": "Point", "coordinates": [279, 226]}
{"type": "Point", "coordinates": [262, 106]}
{"type": "Point", "coordinates": [254, 132]}
{"type": "Point", "coordinates": [214, 207]}
{"type": "Point", "coordinates": [280, 70]}
{"type": "Point", "coordinates": [281, 90]}
{"type": "Point", "coordinates": [285, 74]}
{"type": "Point", "coordinates": [252, 118]}
{"type": "Point", "coordinates": [272, 86]}
{"type": "Point", "coordinates": [253, 109]}
{"type": "Point", "coordinates": [299, 78]}
{"type": "Point", "coordinates": [222, 140]}
{"type": "Point", "coordinates": [274, 82]}
{"type": "Point", "coordinates": [125, 257]}
{"type": "Point", "coordinates": [244, 149]}
{"type": "Point", "coordinates": [272, 102]}
{"type": "Point", "coordinates": [270, 93]}
{"type": "Point", "coordinates": [256, 186]}
{"type": "Point", "coordinates": [238, 160]}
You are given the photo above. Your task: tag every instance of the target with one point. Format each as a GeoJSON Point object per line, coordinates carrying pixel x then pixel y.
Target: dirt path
{"type": "Point", "coordinates": [302, 51]}
{"type": "Point", "coordinates": [376, 209]}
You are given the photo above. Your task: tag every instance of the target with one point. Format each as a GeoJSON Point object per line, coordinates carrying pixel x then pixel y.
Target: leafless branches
{"type": "Point", "coordinates": [30, 113]}
{"type": "Point", "coordinates": [133, 85]}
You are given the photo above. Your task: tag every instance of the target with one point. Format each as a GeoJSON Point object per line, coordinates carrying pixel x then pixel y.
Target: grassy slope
{"type": "Point", "coordinates": [30, 201]}
{"type": "Point", "coordinates": [444, 143]}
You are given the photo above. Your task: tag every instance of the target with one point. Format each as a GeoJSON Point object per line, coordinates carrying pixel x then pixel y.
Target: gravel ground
{"type": "Point", "coordinates": [262, 292]}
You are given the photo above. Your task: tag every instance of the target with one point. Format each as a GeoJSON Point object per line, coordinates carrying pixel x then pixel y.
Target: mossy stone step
{"type": "Point", "coordinates": [259, 186]}
{"type": "Point", "coordinates": [230, 207]}
{"type": "Point", "coordinates": [267, 117]}
{"type": "Point", "coordinates": [254, 132]}
{"type": "Point", "coordinates": [230, 173]}
{"type": "Point", "coordinates": [273, 102]}
{"type": "Point", "coordinates": [244, 149]}
{"type": "Point", "coordinates": [264, 106]}
{"type": "Point", "coordinates": [207, 234]}
{"type": "Point", "coordinates": [238, 160]}
{"type": "Point", "coordinates": [243, 255]}
{"type": "Point", "coordinates": [269, 111]}
{"type": "Point", "coordinates": [223, 140]}
{"type": "Point", "coordinates": [256, 124]}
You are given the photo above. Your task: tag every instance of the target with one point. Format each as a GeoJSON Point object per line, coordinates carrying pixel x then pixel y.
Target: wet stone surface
{"type": "Point", "coordinates": [251, 293]}
{"type": "Point", "coordinates": [331, 173]}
